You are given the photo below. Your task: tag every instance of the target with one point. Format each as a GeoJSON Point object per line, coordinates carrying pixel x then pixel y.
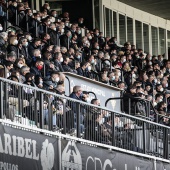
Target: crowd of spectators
{"type": "Point", "coordinates": [53, 45]}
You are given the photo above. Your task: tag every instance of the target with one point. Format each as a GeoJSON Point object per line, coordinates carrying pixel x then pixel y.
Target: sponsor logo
{"type": "Point", "coordinates": [47, 155]}
{"type": "Point", "coordinates": [26, 148]}
{"type": "Point", "coordinates": [71, 158]}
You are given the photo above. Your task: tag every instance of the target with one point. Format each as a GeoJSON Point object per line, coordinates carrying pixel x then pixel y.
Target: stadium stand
{"type": "Point", "coordinates": [37, 51]}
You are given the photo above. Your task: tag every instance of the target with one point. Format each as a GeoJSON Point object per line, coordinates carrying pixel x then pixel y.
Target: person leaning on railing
{"type": "Point", "coordinates": [129, 95]}
{"type": "Point", "coordinates": [72, 118]}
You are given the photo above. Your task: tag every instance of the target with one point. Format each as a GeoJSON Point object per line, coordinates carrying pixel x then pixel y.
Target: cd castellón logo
{"type": "Point", "coordinates": [71, 158]}
{"type": "Point", "coordinates": [47, 155]}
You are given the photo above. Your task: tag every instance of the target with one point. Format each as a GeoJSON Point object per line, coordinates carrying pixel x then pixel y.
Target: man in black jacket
{"type": "Point", "coordinates": [53, 34]}
{"type": "Point", "coordinates": [65, 39]}
{"type": "Point", "coordinates": [65, 65]}
{"type": "Point", "coordinates": [36, 44]}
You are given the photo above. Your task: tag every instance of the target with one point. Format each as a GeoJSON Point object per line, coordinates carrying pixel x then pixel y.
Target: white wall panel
{"type": "Point", "coordinates": [136, 13]}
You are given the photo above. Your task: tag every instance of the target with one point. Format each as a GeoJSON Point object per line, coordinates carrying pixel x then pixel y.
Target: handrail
{"type": "Point", "coordinates": [93, 94]}
{"type": "Point", "coordinates": [138, 99]}
{"type": "Point", "coordinates": [114, 98]}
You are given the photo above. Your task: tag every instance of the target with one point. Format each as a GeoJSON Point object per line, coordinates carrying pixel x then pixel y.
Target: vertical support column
{"type": "Point", "coordinates": [32, 4]}
{"type": "Point", "coordinates": [7, 16]}
{"type": "Point", "coordinates": [37, 5]}
{"type": "Point", "coordinates": [158, 42]}
{"type": "Point", "coordinates": [166, 44]}
{"type": "Point", "coordinates": [101, 16]}
{"type": "Point", "coordinates": [150, 39]}
{"type": "Point", "coordinates": [126, 37]}
{"type": "Point", "coordinates": [104, 20]}
{"type": "Point", "coordinates": [142, 37]}
{"type": "Point", "coordinates": [118, 31]}
{"type": "Point", "coordinates": [112, 25]}
{"type": "Point", "coordinates": [134, 32]}
{"type": "Point", "coordinates": [94, 17]}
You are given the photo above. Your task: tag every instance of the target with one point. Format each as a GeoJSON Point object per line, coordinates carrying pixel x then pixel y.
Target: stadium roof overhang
{"type": "Point", "coordinates": [159, 8]}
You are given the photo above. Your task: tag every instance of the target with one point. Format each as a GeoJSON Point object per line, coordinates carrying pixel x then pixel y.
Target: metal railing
{"type": "Point", "coordinates": [150, 111]}
{"type": "Point", "coordinates": [39, 108]}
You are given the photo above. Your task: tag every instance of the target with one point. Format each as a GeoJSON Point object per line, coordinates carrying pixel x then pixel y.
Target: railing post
{"type": "Point", "coordinates": [113, 128]}
{"type": "Point", "coordinates": [68, 43]}
{"type": "Point", "coordinates": [129, 103]}
{"type": "Point", "coordinates": [64, 117]}
{"type": "Point", "coordinates": [41, 103]}
{"type": "Point", "coordinates": [7, 16]}
{"type": "Point", "coordinates": [16, 17]}
{"type": "Point", "coordinates": [44, 70]}
{"type": "Point", "coordinates": [19, 101]}
{"type": "Point", "coordinates": [18, 53]}
{"type": "Point", "coordinates": [36, 29]}
{"type": "Point", "coordinates": [78, 118]}
{"type": "Point", "coordinates": [135, 107]}
{"type": "Point", "coordinates": [165, 144]}
{"type": "Point", "coordinates": [27, 22]}
{"type": "Point", "coordinates": [148, 109]}
{"type": "Point", "coordinates": [6, 96]}
{"type": "Point", "coordinates": [144, 136]}
{"type": "Point", "coordinates": [121, 101]}
{"type": "Point", "coordinates": [1, 100]}
{"type": "Point", "coordinates": [166, 103]}
{"type": "Point", "coordinates": [35, 108]}
{"type": "Point", "coordinates": [50, 115]}
{"type": "Point", "coordinates": [100, 65]}
{"type": "Point", "coordinates": [59, 41]}
{"type": "Point", "coordinates": [46, 29]}
{"type": "Point", "coordinates": [56, 42]}
{"type": "Point", "coordinates": [18, 21]}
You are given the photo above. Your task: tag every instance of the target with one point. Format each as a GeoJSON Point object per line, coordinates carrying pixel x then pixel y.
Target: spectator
{"type": "Point", "coordinates": [24, 70]}
{"type": "Point", "coordinates": [51, 82]}
{"type": "Point", "coordinates": [65, 39]}
{"type": "Point", "coordinates": [77, 94]}
{"type": "Point", "coordinates": [36, 70]}
{"type": "Point", "coordinates": [36, 44]}
{"type": "Point", "coordinates": [66, 66]}
{"type": "Point", "coordinates": [3, 40]}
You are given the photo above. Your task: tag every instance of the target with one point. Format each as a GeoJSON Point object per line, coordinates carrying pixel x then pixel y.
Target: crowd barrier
{"type": "Point", "coordinates": [38, 108]}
